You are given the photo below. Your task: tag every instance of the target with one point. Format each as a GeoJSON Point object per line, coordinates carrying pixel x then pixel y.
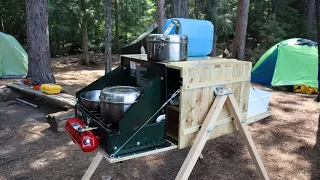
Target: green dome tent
{"type": "Point", "coordinates": [13, 58]}
{"type": "Point", "coordinates": [290, 62]}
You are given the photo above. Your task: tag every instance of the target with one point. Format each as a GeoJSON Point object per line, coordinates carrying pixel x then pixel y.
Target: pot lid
{"type": "Point", "coordinates": [169, 38]}
{"type": "Point", "coordinates": [120, 94]}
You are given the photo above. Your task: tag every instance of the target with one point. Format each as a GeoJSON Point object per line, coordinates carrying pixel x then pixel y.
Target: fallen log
{"type": "Point", "coordinates": [58, 120]}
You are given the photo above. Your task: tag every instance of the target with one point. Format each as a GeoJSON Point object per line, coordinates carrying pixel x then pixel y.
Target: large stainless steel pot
{"type": "Point", "coordinates": [166, 48]}
{"type": "Point", "coordinates": [116, 101]}
{"type": "Point", "coordinates": [90, 99]}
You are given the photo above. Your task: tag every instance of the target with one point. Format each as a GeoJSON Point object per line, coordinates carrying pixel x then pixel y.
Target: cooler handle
{"type": "Point", "coordinates": [169, 28]}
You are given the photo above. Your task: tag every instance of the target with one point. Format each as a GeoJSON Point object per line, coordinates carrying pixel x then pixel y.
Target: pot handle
{"type": "Point", "coordinates": [169, 28]}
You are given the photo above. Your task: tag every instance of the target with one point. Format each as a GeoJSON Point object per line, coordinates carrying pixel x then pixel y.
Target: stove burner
{"type": "Point", "coordinates": [97, 115]}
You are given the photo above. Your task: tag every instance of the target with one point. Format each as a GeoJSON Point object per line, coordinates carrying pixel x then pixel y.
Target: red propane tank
{"type": "Point", "coordinates": [86, 140]}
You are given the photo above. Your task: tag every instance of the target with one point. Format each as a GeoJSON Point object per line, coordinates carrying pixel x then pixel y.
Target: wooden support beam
{"type": "Point", "coordinates": [201, 138]}
{"type": "Point", "coordinates": [258, 117]}
{"type": "Point", "coordinates": [243, 130]}
{"type": "Point", "coordinates": [93, 166]}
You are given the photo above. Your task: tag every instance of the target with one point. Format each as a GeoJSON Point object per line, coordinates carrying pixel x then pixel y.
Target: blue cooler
{"type": "Point", "coordinates": [199, 32]}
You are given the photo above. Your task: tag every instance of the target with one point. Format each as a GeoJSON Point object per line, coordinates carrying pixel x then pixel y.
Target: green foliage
{"type": "Point", "coordinates": [271, 33]}
{"type": "Point", "coordinates": [12, 19]}
{"type": "Point", "coordinates": [65, 17]}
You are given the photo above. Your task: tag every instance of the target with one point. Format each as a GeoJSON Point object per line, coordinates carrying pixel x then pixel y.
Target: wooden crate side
{"type": "Point", "coordinates": [195, 103]}
{"type": "Point", "coordinates": [218, 130]}
{"type": "Point", "coordinates": [215, 73]}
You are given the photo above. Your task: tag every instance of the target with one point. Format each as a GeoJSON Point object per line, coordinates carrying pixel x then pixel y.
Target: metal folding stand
{"type": "Point", "coordinates": [223, 96]}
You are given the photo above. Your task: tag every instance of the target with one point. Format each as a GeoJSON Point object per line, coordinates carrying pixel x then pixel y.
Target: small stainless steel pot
{"type": "Point", "coordinates": [90, 99]}
{"type": "Point", "coordinates": [116, 101]}
{"type": "Point", "coordinates": [172, 48]}
{"type": "Point", "coordinates": [165, 47]}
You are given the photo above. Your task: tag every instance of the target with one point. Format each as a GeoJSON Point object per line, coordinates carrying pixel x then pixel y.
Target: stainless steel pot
{"type": "Point", "coordinates": [166, 48]}
{"type": "Point", "coordinates": [116, 101]}
{"type": "Point", "coordinates": [90, 99]}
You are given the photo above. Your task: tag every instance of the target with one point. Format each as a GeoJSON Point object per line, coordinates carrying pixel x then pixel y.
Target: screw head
{"type": "Point", "coordinates": [138, 143]}
{"type": "Point", "coordinates": [161, 78]}
{"type": "Point", "coordinates": [209, 130]}
{"type": "Point", "coordinates": [115, 148]}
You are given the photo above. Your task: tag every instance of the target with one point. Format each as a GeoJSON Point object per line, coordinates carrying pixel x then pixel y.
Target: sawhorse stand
{"type": "Point", "coordinates": [224, 96]}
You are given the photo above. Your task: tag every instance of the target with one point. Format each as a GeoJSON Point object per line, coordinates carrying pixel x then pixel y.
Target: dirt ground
{"type": "Point", "coordinates": [286, 141]}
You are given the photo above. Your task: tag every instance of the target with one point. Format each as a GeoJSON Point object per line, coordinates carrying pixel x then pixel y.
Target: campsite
{"type": "Point", "coordinates": [285, 141]}
{"type": "Point", "coordinates": [158, 89]}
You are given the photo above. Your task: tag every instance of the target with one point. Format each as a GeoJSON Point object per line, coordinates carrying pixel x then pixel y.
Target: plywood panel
{"type": "Point", "coordinates": [196, 102]}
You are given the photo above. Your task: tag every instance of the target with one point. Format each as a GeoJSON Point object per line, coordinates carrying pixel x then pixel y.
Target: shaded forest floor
{"type": "Point", "coordinates": [29, 150]}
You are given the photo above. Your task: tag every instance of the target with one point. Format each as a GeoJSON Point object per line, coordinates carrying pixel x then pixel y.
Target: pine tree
{"type": "Point", "coordinates": [39, 66]}
{"type": "Point", "coordinates": [108, 26]}
{"type": "Point", "coordinates": [84, 29]}
{"type": "Point", "coordinates": [241, 30]}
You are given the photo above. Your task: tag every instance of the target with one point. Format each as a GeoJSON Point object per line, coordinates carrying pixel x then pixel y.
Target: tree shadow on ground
{"type": "Point", "coordinates": [225, 157]}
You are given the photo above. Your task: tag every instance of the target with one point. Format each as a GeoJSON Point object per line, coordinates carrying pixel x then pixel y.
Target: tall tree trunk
{"type": "Point", "coordinates": [161, 15]}
{"type": "Point", "coordinates": [214, 20]}
{"type": "Point", "coordinates": [171, 10]}
{"type": "Point", "coordinates": [39, 66]}
{"type": "Point", "coordinates": [180, 8]}
{"type": "Point", "coordinates": [126, 27]}
{"type": "Point", "coordinates": [214, 46]}
{"type": "Point", "coordinates": [196, 9]}
{"type": "Point", "coordinates": [2, 25]}
{"type": "Point", "coordinates": [318, 38]}
{"type": "Point", "coordinates": [116, 21]}
{"type": "Point", "coordinates": [84, 30]}
{"type": "Point", "coordinates": [311, 8]}
{"type": "Point", "coordinates": [274, 4]}
{"type": "Point", "coordinates": [241, 30]}
{"type": "Point", "coordinates": [108, 25]}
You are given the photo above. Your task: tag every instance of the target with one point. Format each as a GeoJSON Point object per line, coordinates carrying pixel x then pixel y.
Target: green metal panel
{"type": "Point", "coordinates": [149, 102]}
{"type": "Point", "coordinates": [149, 136]}
{"type": "Point", "coordinates": [155, 94]}
{"type": "Point", "coordinates": [119, 76]}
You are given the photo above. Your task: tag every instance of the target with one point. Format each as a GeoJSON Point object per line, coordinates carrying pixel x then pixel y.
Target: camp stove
{"type": "Point", "coordinates": [138, 130]}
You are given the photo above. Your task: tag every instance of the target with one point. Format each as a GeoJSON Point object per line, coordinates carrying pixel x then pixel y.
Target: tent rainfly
{"type": "Point", "coordinates": [290, 62]}
{"type": "Point", "coordinates": [13, 58]}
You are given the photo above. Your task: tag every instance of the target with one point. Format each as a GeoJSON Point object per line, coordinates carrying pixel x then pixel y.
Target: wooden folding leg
{"type": "Point", "coordinates": [243, 130]}
{"type": "Point", "coordinates": [201, 138]}
{"type": "Point", "coordinates": [93, 166]}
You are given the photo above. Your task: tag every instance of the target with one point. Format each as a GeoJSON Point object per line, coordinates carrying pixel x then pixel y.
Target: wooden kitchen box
{"type": "Point", "coordinates": [198, 77]}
